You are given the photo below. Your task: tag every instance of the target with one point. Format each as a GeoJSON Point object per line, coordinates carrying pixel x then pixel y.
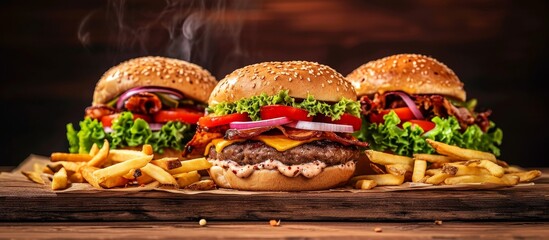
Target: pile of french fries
{"type": "Point", "coordinates": [105, 168]}
{"type": "Point", "coordinates": [451, 165]}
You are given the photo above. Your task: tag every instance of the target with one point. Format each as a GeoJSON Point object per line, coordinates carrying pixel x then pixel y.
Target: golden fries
{"type": "Point", "coordinates": [191, 165]}
{"type": "Point", "coordinates": [437, 178]}
{"type": "Point", "coordinates": [70, 157]}
{"type": "Point", "coordinates": [420, 166]}
{"type": "Point", "coordinates": [460, 153]}
{"type": "Point", "coordinates": [121, 168]}
{"type": "Point", "coordinates": [87, 174]}
{"type": "Point", "coordinates": [120, 155]}
{"type": "Point", "coordinates": [101, 157]}
{"type": "Point", "coordinates": [114, 182]}
{"type": "Point", "coordinates": [185, 179]}
{"type": "Point", "coordinates": [60, 180]}
{"type": "Point", "coordinates": [525, 176]}
{"type": "Point", "coordinates": [159, 174]}
{"type": "Point", "coordinates": [434, 158]}
{"type": "Point", "coordinates": [33, 176]}
{"type": "Point", "coordinates": [381, 179]}
{"type": "Point", "coordinates": [365, 184]}
{"type": "Point", "coordinates": [450, 165]}
{"type": "Point", "coordinates": [202, 185]}
{"type": "Point", "coordinates": [493, 168]}
{"type": "Point", "coordinates": [94, 149]}
{"type": "Point", "coordinates": [388, 159]}
{"type": "Point", "coordinates": [167, 163]}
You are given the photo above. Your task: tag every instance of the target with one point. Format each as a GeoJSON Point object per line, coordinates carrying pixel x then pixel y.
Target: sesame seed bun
{"type": "Point", "coordinates": [300, 78]}
{"type": "Point", "coordinates": [190, 79]}
{"type": "Point", "coordinates": [411, 73]}
{"type": "Point", "coordinates": [272, 180]}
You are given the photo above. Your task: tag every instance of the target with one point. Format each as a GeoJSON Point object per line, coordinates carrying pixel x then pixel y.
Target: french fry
{"type": "Point", "coordinates": [388, 159]}
{"type": "Point", "coordinates": [365, 184]}
{"type": "Point", "coordinates": [69, 166]}
{"type": "Point", "coordinates": [144, 179]}
{"type": "Point", "coordinates": [70, 157]}
{"type": "Point", "coordinates": [101, 157]}
{"type": "Point", "coordinates": [525, 176]}
{"type": "Point", "coordinates": [47, 170]}
{"type": "Point", "coordinates": [167, 163]}
{"type": "Point", "coordinates": [398, 169]}
{"type": "Point", "coordinates": [159, 174]}
{"type": "Point", "coordinates": [191, 165]}
{"type": "Point", "coordinates": [474, 179]}
{"type": "Point", "coordinates": [94, 150]}
{"type": "Point", "coordinates": [121, 168]}
{"type": "Point", "coordinates": [437, 178]}
{"type": "Point", "coordinates": [60, 180]}
{"type": "Point", "coordinates": [420, 166]}
{"type": "Point", "coordinates": [460, 170]}
{"type": "Point", "coordinates": [76, 177]}
{"type": "Point", "coordinates": [120, 155]}
{"type": "Point", "coordinates": [460, 153]}
{"type": "Point", "coordinates": [87, 174]}
{"type": "Point", "coordinates": [493, 168]}
{"type": "Point", "coordinates": [147, 149]}
{"type": "Point", "coordinates": [432, 172]}
{"type": "Point", "coordinates": [185, 179]}
{"type": "Point", "coordinates": [381, 179]}
{"type": "Point", "coordinates": [114, 182]}
{"type": "Point", "coordinates": [202, 185]}
{"type": "Point", "coordinates": [33, 176]}
{"type": "Point", "coordinates": [131, 175]}
{"type": "Point", "coordinates": [433, 158]}
{"type": "Point", "coordinates": [514, 169]}
{"type": "Point", "coordinates": [510, 180]}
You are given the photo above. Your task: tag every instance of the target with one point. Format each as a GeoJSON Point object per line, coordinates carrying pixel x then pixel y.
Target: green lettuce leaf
{"type": "Point", "coordinates": [407, 140]}
{"type": "Point", "coordinates": [253, 104]}
{"type": "Point", "coordinates": [128, 133]}
{"type": "Point", "coordinates": [91, 131]}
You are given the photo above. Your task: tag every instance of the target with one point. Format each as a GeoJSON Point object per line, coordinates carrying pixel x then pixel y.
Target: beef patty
{"type": "Point", "coordinates": [252, 152]}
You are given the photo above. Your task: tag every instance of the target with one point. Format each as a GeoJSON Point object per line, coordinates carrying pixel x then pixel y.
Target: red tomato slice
{"type": "Point", "coordinates": [293, 113]}
{"type": "Point", "coordinates": [107, 120]}
{"type": "Point", "coordinates": [346, 119]}
{"type": "Point", "coordinates": [180, 114]}
{"type": "Point", "coordinates": [425, 125]}
{"type": "Point", "coordinates": [403, 113]}
{"type": "Point", "coordinates": [208, 121]}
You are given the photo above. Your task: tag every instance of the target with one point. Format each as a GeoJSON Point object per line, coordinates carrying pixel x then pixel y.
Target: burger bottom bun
{"type": "Point", "coordinates": [168, 152]}
{"type": "Point", "coordinates": [272, 180]}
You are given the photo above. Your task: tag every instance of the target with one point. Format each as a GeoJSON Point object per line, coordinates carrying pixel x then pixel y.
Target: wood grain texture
{"type": "Point", "coordinates": [25, 201]}
{"type": "Point", "coordinates": [287, 230]}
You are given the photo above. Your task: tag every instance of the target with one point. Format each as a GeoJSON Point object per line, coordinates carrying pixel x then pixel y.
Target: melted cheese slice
{"type": "Point", "coordinates": [279, 142]}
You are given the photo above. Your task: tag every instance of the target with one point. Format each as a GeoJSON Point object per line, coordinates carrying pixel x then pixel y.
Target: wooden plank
{"type": "Point", "coordinates": [38, 203]}
{"type": "Point", "coordinates": [262, 230]}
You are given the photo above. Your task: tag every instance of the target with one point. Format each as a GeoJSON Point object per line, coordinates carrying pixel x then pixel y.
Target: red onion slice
{"type": "Point", "coordinates": [324, 127]}
{"type": "Point", "coordinates": [410, 103]}
{"type": "Point", "coordinates": [133, 91]}
{"type": "Point", "coordinates": [260, 123]}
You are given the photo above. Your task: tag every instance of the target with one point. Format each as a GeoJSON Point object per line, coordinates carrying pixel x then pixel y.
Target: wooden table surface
{"type": "Point", "coordinates": [514, 213]}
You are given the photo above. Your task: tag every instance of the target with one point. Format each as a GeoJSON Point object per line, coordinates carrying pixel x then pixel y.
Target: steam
{"type": "Point", "coordinates": [198, 31]}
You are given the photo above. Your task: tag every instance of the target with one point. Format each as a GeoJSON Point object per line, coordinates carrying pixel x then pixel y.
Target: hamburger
{"type": "Point", "coordinates": [280, 126]}
{"type": "Point", "coordinates": [407, 98]}
{"type": "Point", "coordinates": [146, 100]}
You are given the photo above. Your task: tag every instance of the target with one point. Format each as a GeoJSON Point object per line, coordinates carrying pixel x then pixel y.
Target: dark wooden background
{"type": "Point", "coordinates": [53, 52]}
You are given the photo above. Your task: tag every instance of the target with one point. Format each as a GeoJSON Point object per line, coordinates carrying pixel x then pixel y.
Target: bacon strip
{"type": "Point", "coordinates": [233, 134]}
{"type": "Point", "coordinates": [201, 139]}
{"type": "Point", "coordinates": [145, 103]}
{"type": "Point", "coordinates": [342, 140]}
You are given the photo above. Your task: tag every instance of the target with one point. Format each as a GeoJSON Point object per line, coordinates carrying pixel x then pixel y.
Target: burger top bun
{"type": "Point", "coordinates": [411, 73]}
{"type": "Point", "coordinates": [190, 79]}
{"type": "Point", "coordinates": [300, 78]}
